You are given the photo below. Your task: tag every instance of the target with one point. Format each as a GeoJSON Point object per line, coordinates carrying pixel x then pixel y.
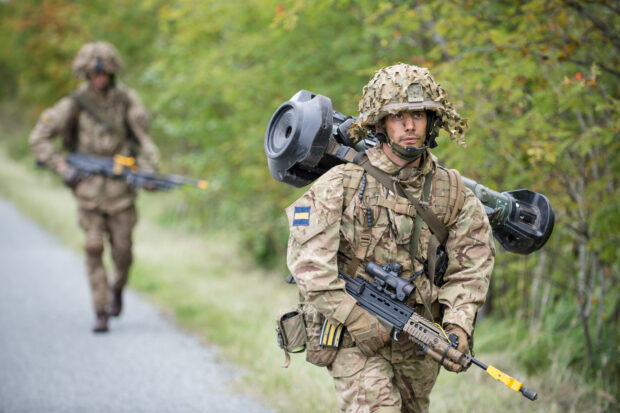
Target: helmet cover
{"type": "Point", "coordinates": [404, 87]}
{"type": "Point", "coordinates": [97, 57]}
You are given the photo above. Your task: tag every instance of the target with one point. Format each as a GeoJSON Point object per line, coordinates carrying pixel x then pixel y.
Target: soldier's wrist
{"type": "Point", "coordinates": [458, 318]}
{"type": "Point", "coordinates": [61, 166]}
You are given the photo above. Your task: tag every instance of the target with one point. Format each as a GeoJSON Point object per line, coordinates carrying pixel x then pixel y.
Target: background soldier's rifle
{"type": "Point", "coordinates": [385, 298]}
{"type": "Point", "coordinates": [125, 167]}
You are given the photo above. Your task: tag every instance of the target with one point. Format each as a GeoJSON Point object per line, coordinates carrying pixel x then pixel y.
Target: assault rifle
{"type": "Point", "coordinates": [385, 298]}
{"type": "Point", "coordinates": [124, 167]}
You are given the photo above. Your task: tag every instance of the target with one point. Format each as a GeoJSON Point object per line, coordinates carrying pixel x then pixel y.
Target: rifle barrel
{"type": "Point", "coordinates": [509, 381]}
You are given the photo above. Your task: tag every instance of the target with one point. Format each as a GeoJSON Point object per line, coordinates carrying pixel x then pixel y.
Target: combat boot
{"type": "Point", "coordinates": [101, 323]}
{"type": "Point", "coordinates": [116, 303]}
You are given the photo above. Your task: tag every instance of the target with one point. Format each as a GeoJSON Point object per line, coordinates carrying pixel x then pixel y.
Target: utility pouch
{"type": "Point", "coordinates": [291, 333]}
{"type": "Point", "coordinates": [317, 328]}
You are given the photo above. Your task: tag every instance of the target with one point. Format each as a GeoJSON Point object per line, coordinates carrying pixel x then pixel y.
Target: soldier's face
{"type": "Point", "coordinates": [100, 81]}
{"type": "Point", "coordinates": [407, 128]}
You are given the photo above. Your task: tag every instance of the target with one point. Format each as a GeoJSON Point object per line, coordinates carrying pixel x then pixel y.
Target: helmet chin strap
{"type": "Point", "coordinates": [407, 153]}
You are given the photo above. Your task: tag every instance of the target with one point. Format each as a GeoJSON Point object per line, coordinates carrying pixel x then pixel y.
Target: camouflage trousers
{"type": "Point", "coordinates": [117, 228]}
{"type": "Point", "coordinates": [398, 379]}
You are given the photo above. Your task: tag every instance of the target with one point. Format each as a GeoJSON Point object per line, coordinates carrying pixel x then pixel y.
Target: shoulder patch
{"type": "Point", "coordinates": [301, 216]}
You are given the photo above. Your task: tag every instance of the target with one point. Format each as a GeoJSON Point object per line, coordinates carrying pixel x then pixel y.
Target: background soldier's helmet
{"type": "Point", "coordinates": [97, 57]}
{"type": "Point", "coordinates": [405, 87]}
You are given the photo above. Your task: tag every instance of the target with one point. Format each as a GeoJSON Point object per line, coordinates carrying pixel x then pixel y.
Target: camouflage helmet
{"type": "Point", "coordinates": [404, 87]}
{"type": "Point", "coordinates": [97, 57]}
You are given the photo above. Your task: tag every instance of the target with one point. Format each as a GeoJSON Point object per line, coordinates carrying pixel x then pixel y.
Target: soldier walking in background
{"type": "Point", "coordinates": [348, 218]}
{"type": "Point", "coordinates": [102, 117]}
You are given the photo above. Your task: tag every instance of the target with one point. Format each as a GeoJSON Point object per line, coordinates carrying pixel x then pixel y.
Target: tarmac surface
{"type": "Point", "coordinates": [50, 361]}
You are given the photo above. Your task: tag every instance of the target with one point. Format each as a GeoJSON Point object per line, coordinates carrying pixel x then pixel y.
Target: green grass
{"type": "Point", "coordinates": [207, 285]}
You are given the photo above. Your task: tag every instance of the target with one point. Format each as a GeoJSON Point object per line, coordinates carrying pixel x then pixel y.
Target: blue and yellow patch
{"type": "Point", "coordinates": [301, 216]}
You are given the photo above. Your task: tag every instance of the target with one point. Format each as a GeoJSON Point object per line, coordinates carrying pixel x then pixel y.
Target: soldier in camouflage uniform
{"type": "Point", "coordinates": [102, 117]}
{"type": "Point", "coordinates": [348, 218]}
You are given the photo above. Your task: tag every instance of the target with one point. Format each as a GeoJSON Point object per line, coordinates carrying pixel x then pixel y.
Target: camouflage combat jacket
{"type": "Point", "coordinates": [79, 129]}
{"type": "Point", "coordinates": [328, 221]}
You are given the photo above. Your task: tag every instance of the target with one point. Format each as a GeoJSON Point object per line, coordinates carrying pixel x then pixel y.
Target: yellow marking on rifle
{"type": "Point", "coordinates": [202, 184]}
{"type": "Point", "coordinates": [121, 161]}
{"type": "Point", "coordinates": [504, 378]}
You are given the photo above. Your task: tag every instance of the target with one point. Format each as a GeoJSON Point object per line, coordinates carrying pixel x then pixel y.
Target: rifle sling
{"type": "Point", "coordinates": [89, 107]}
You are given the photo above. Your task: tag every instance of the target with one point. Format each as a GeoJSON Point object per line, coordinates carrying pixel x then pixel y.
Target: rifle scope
{"type": "Point", "coordinates": [296, 145]}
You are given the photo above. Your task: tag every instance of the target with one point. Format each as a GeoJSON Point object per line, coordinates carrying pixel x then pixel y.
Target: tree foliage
{"type": "Point", "coordinates": [538, 81]}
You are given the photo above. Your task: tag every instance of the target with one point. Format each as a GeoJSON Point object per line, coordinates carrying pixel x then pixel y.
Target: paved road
{"type": "Point", "coordinates": [51, 362]}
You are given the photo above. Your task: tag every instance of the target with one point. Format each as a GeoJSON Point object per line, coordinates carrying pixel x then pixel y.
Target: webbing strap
{"type": "Point", "coordinates": [343, 152]}
{"type": "Point", "coordinates": [435, 225]}
{"type": "Point", "coordinates": [360, 251]}
{"type": "Point", "coordinates": [394, 205]}
{"type": "Point", "coordinates": [88, 106]}
{"type": "Point", "coordinates": [430, 252]}
{"type": "Point", "coordinates": [413, 243]}
{"type": "Point", "coordinates": [455, 181]}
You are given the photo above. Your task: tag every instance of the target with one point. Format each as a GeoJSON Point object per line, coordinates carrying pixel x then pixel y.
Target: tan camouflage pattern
{"type": "Point", "coordinates": [86, 59]}
{"type": "Point", "coordinates": [401, 377]}
{"type": "Point", "coordinates": [123, 107]}
{"type": "Point", "coordinates": [119, 227]}
{"type": "Point", "coordinates": [317, 251]}
{"type": "Point", "coordinates": [389, 92]}
{"type": "Point", "coordinates": [105, 205]}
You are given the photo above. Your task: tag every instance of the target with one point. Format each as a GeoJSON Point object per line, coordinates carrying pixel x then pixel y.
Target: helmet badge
{"type": "Point", "coordinates": [415, 93]}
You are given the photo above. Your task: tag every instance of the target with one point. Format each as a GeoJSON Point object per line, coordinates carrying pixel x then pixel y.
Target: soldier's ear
{"type": "Point", "coordinates": [380, 131]}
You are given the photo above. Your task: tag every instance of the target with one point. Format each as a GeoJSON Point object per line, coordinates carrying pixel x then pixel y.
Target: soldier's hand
{"type": "Point", "coordinates": [149, 186]}
{"type": "Point", "coordinates": [70, 176]}
{"type": "Point", "coordinates": [368, 332]}
{"type": "Point", "coordinates": [463, 346]}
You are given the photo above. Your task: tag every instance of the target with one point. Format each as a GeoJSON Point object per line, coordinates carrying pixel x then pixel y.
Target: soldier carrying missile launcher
{"type": "Point", "coordinates": [392, 203]}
